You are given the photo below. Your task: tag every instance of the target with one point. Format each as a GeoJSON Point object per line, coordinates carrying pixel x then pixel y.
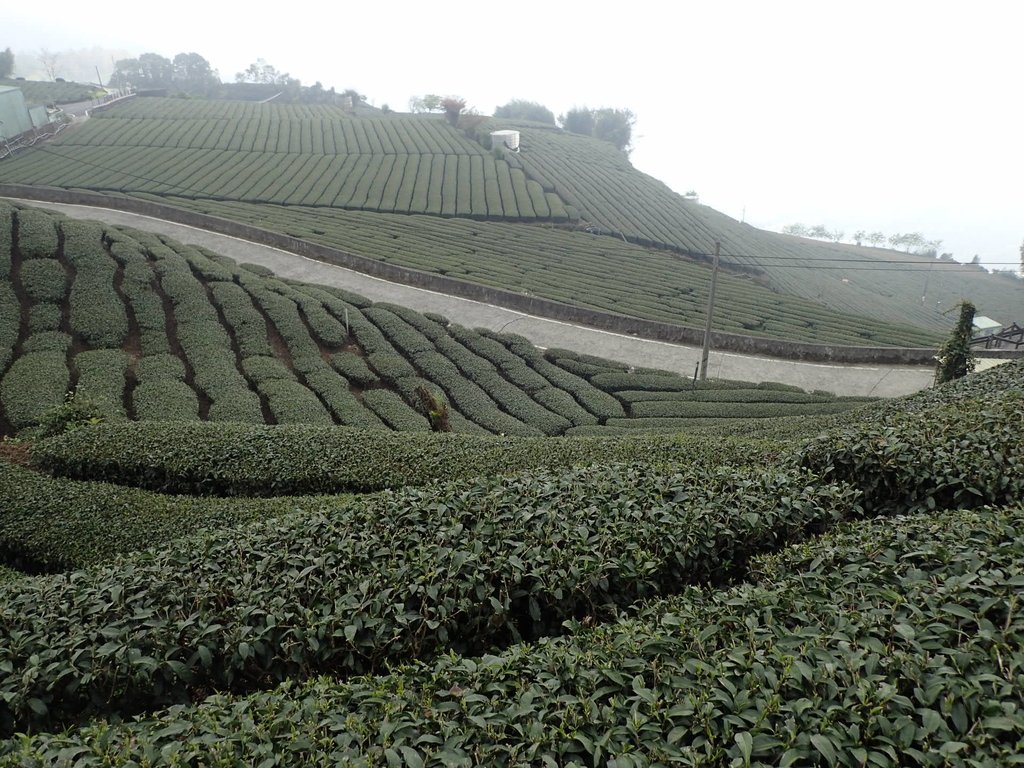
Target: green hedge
{"type": "Point", "coordinates": [47, 341]}
{"type": "Point", "coordinates": [239, 459]}
{"type": "Point", "coordinates": [6, 240]}
{"type": "Point", "coordinates": [336, 393]}
{"type": "Point", "coordinates": [161, 393]}
{"type": "Point", "coordinates": [885, 644]}
{"type": "Point", "coordinates": [394, 412]}
{"type": "Point", "coordinates": [10, 322]}
{"type": "Point", "coordinates": [249, 326]}
{"type": "Point", "coordinates": [757, 395]}
{"type": "Point", "coordinates": [42, 317]}
{"type": "Point", "coordinates": [51, 524]}
{"type": "Point", "coordinates": [37, 233]}
{"type": "Point", "coordinates": [685, 409]}
{"type": "Point", "coordinates": [35, 384]}
{"type": "Point", "coordinates": [97, 312]}
{"type": "Point", "coordinates": [44, 280]}
{"type": "Point", "coordinates": [292, 403]}
{"type": "Point", "coordinates": [465, 568]}
{"type": "Point", "coordinates": [354, 368]}
{"type": "Point", "coordinates": [964, 454]}
{"type": "Point", "coordinates": [101, 380]}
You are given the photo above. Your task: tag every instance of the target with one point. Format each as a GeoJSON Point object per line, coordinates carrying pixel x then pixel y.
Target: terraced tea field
{"type": "Point", "coordinates": [571, 267]}
{"type": "Point", "coordinates": [149, 329]}
{"type": "Point", "coordinates": [321, 157]}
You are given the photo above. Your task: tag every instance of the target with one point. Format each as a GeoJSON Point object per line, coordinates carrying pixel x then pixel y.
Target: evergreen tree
{"type": "Point", "coordinates": [955, 359]}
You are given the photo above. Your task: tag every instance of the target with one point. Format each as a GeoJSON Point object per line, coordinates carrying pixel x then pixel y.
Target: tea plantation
{"type": "Point", "coordinates": [249, 161]}
{"type": "Point", "coordinates": [242, 542]}
{"type": "Point", "coordinates": [147, 329]}
{"type": "Point", "coordinates": [845, 600]}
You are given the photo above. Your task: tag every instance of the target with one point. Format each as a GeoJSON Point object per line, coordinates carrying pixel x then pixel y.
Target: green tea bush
{"type": "Point", "coordinates": [97, 313]}
{"type": "Point", "coordinates": [390, 366]}
{"type": "Point", "coordinates": [263, 368]}
{"type": "Point", "coordinates": [336, 393]}
{"type": "Point", "coordinates": [249, 326]}
{"type": "Point", "coordinates": [728, 396]}
{"type": "Point", "coordinates": [885, 644]}
{"type": "Point", "coordinates": [43, 317]}
{"type": "Point", "coordinates": [613, 382]}
{"type": "Point", "coordinates": [10, 322]}
{"type": "Point", "coordinates": [328, 329]}
{"type": "Point", "coordinates": [37, 233]}
{"type": "Point", "coordinates": [406, 339]}
{"type": "Point", "coordinates": [258, 460]}
{"type": "Point", "coordinates": [44, 280]}
{"type": "Point", "coordinates": [47, 341]}
{"type": "Point", "coordinates": [51, 524]}
{"type": "Point", "coordinates": [593, 400]}
{"type": "Point", "coordinates": [101, 379]}
{"type": "Point", "coordinates": [394, 412]}
{"type": "Point", "coordinates": [7, 225]}
{"type": "Point", "coordinates": [731, 410]}
{"type": "Point", "coordinates": [354, 368]}
{"type": "Point", "coordinates": [965, 454]}
{"type": "Point", "coordinates": [35, 383]}
{"type": "Point", "coordinates": [292, 403]}
{"type": "Point", "coordinates": [465, 568]}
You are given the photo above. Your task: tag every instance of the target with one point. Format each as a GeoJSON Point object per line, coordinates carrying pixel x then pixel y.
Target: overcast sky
{"type": "Point", "coordinates": [894, 116]}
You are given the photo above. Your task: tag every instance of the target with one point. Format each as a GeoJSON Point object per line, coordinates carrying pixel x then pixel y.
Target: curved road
{"type": "Point", "coordinates": [877, 380]}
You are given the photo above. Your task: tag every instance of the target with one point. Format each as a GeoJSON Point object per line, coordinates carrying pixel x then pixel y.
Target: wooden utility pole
{"type": "Point", "coordinates": [711, 311]}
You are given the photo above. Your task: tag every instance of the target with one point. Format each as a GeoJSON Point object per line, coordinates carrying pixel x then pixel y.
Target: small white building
{"type": "Point", "coordinates": [507, 140]}
{"type": "Point", "coordinates": [986, 326]}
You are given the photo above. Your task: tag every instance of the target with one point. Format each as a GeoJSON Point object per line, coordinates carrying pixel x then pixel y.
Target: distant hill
{"type": "Point", "coordinates": [325, 158]}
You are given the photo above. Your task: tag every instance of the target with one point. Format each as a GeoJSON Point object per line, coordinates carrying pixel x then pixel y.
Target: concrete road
{"type": "Point", "coordinates": [877, 380]}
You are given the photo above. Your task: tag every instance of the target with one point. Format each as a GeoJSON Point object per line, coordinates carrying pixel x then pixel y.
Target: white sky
{"type": "Point", "coordinates": [899, 116]}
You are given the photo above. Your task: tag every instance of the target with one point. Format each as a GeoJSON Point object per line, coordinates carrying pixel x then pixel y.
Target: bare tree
{"type": "Point", "coordinates": [49, 61]}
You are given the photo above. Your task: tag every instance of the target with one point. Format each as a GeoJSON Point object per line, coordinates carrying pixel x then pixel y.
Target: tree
{"type": "Point", "coordinates": [795, 229]}
{"type": "Point", "coordinates": [819, 231]}
{"type": "Point", "coordinates": [49, 60]}
{"type": "Point", "coordinates": [353, 96]}
{"type": "Point", "coordinates": [955, 359]}
{"type": "Point", "coordinates": [193, 74]}
{"type": "Point", "coordinates": [836, 235]}
{"type": "Point", "coordinates": [578, 120]}
{"type": "Point", "coordinates": [615, 126]}
{"type": "Point", "coordinates": [859, 236]}
{"type": "Point", "coordinates": [453, 106]}
{"type": "Point", "coordinates": [150, 70]}
{"type": "Point", "coordinates": [876, 238]}
{"type": "Point", "coordinates": [520, 109]}
{"type": "Point", "coordinates": [6, 63]}
{"type": "Point", "coordinates": [262, 72]}
{"type": "Point", "coordinates": [612, 125]}
{"type": "Point", "coordinates": [430, 102]}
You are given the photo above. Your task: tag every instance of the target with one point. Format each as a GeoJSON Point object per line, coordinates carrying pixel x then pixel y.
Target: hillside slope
{"type": "Point", "coordinates": [324, 158]}
{"type": "Point", "coordinates": [149, 329]}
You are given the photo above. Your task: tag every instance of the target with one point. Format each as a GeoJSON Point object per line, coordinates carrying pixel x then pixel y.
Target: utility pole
{"type": "Point", "coordinates": [711, 311]}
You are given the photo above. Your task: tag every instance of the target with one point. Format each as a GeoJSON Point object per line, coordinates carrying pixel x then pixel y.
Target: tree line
{"type": "Point", "coordinates": [612, 125]}
{"type": "Point", "coordinates": [190, 74]}
{"type": "Point", "coordinates": [910, 242]}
